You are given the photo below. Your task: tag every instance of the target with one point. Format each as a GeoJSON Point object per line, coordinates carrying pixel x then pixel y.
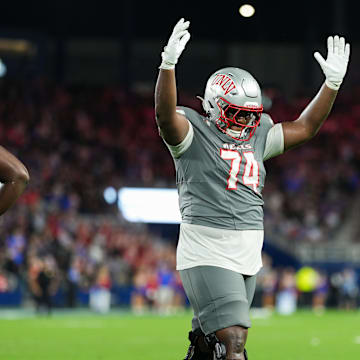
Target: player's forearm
{"type": "Point", "coordinates": [165, 97]}
{"type": "Point", "coordinates": [318, 110]}
{"type": "Point", "coordinates": [14, 178]}
{"type": "Point", "coordinates": [10, 192]}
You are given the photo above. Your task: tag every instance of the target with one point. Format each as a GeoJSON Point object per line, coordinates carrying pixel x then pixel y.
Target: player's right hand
{"type": "Point", "coordinates": [176, 44]}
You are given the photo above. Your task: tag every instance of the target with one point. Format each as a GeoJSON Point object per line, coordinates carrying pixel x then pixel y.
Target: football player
{"type": "Point", "coordinates": [220, 174]}
{"type": "Point", "coordinates": [13, 178]}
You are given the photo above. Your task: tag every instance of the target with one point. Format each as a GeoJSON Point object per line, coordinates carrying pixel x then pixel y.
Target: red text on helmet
{"type": "Point", "coordinates": [225, 82]}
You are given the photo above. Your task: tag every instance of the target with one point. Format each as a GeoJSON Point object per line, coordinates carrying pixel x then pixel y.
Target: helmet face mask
{"type": "Point", "coordinates": [233, 101]}
{"type": "Point", "coordinates": [245, 119]}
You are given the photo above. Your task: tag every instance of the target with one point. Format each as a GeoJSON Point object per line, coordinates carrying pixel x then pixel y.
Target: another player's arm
{"type": "Point", "coordinates": [309, 122]}
{"type": "Point", "coordinates": [173, 126]}
{"type": "Point", "coordinates": [14, 178]}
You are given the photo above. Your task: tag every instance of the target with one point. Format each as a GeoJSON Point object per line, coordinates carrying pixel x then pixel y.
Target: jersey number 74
{"type": "Point", "coordinates": [250, 171]}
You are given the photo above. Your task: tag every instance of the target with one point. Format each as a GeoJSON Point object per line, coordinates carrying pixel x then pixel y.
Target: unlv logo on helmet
{"type": "Point", "coordinates": [225, 82]}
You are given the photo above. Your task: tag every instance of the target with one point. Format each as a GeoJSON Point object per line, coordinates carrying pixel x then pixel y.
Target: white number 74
{"type": "Point", "coordinates": [250, 175]}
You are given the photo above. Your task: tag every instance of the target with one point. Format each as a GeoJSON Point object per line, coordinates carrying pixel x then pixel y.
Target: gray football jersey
{"type": "Point", "coordinates": [220, 179]}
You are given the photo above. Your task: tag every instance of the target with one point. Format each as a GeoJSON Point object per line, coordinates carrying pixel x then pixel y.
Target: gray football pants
{"type": "Point", "coordinates": [219, 297]}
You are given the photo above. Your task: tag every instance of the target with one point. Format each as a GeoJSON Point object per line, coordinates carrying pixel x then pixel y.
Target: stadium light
{"type": "Point", "coordinates": [110, 195]}
{"type": "Point", "coordinates": [2, 68]}
{"type": "Point", "coordinates": [149, 205]}
{"type": "Point", "coordinates": [247, 10]}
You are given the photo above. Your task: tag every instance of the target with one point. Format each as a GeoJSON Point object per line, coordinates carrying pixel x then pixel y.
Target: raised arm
{"type": "Point", "coordinates": [173, 126]}
{"type": "Point", "coordinates": [309, 122]}
{"type": "Point", "coordinates": [14, 178]}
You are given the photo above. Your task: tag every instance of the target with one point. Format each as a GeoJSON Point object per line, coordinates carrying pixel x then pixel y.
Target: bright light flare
{"type": "Point", "coordinates": [149, 205]}
{"type": "Point", "coordinates": [2, 68]}
{"type": "Point", "coordinates": [110, 195]}
{"type": "Point", "coordinates": [247, 10]}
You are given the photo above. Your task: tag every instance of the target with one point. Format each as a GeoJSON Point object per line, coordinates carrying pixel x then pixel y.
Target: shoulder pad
{"type": "Point", "coordinates": [265, 118]}
{"type": "Point", "coordinates": [180, 111]}
{"type": "Point", "coordinates": [191, 114]}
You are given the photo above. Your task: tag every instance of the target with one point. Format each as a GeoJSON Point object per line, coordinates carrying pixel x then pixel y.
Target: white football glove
{"type": "Point", "coordinates": [336, 63]}
{"type": "Point", "coordinates": [176, 44]}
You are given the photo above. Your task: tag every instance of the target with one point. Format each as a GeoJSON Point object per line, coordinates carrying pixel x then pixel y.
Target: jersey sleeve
{"type": "Point", "coordinates": [274, 144]}
{"type": "Point", "coordinates": [177, 150]}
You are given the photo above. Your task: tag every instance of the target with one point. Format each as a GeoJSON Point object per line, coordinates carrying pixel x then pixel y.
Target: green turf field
{"type": "Point", "coordinates": [122, 336]}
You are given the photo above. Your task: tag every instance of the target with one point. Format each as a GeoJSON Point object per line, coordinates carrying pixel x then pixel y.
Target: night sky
{"type": "Point", "coordinates": [279, 21]}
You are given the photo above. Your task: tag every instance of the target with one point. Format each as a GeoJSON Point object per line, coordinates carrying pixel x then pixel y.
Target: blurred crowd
{"type": "Point", "coordinates": [285, 289]}
{"type": "Point", "coordinates": [62, 235]}
{"type": "Point", "coordinates": [310, 190]}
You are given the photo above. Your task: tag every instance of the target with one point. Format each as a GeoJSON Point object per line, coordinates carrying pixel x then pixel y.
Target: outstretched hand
{"type": "Point", "coordinates": [176, 44]}
{"type": "Point", "coordinates": [335, 65]}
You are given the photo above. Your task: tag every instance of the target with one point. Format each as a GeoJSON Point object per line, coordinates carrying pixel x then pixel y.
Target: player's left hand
{"type": "Point", "coordinates": [335, 65]}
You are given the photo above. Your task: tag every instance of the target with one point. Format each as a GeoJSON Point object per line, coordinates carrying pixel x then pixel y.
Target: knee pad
{"type": "Point", "coordinates": [194, 352]}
